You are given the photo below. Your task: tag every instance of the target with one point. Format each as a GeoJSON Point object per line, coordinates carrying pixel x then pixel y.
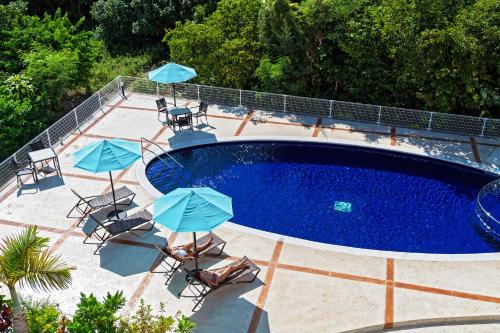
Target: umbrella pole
{"type": "Point", "coordinates": [195, 252]}
{"type": "Point", "coordinates": [113, 191]}
{"type": "Point", "coordinates": [173, 87]}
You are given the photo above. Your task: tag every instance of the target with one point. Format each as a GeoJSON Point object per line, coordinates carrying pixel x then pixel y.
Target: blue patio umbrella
{"type": "Point", "coordinates": [192, 210]}
{"type": "Point", "coordinates": [172, 73]}
{"type": "Point", "coordinates": [107, 156]}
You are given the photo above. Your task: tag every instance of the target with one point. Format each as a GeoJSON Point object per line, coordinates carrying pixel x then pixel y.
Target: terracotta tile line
{"type": "Point", "coordinates": [446, 292]}
{"type": "Point", "coordinates": [264, 293]}
{"type": "Point", "coordinates": [98, 136]}
{"type": "Point", "coordinates": [475, 151]}
{"type": "Point", "coordinates": [389, 295]}
{"type": "Point", "coordinates": [101, 179]}
{"type": "Point", "coordinates": [338, 275]}
{"type": "Point", "coordinates": [317, 127]}
{"type": "Point", "coordinates": [245, 121]}
{"type": "Point", "coordinates": [138, 292]}
{"type": "Point", "coordinates": [275, 122]}
{"type": "Point", "coordinates": [393, 136]}
{"type": "Point", "coordinates": [8, 193]}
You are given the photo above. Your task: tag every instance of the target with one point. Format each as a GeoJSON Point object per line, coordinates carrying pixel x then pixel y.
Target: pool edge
{"type": "Point", "coordinates": [140, 171]}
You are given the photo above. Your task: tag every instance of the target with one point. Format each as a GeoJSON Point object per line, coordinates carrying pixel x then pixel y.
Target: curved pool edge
{"type": "Point", "coordinates": [140, 171]}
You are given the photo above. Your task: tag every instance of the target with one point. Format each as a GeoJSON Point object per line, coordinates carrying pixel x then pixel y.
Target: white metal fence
{"type": "Point", "coordinates": [375, 114]}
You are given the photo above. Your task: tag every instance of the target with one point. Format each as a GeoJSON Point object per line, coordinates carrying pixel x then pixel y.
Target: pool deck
{"type": "Point", "coordinates": [301, 288]}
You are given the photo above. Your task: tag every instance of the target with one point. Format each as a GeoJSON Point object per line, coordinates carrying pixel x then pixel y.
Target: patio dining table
{"type": "Point", "coordinates": [182, 111]}
{"type": "Point", "coordinates": [42, 155]}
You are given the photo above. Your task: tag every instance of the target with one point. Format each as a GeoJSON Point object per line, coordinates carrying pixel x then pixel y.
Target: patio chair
{"type": "Point", "coordinates": [86, 205]}
{"type": "Point", "coordinates": [185, 121]}
{"type": "Point", "coordinates": [21, 171]}
{"type": "Point", "coordinates": [37, 145]}
{"type": "Point", "coordinates": [202, 289]}
{"type": "Point", "coordinates": [202, 111]}
{"type": "Point", "coordinates": [166, 255]}
{"type": "Point", "coordinates": [117, 227]}
{"type": "Point", "coordinates": [161, 104]}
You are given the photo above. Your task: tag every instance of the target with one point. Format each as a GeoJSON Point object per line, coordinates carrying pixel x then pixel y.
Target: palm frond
{"type": "Point", "coordinates": [46, 272]}
{"type": "Point", "coordinates": [25, 259]}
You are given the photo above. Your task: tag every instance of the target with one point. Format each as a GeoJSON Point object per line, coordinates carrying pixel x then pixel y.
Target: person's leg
{"type": "Point", "coordinates": [204, 245]}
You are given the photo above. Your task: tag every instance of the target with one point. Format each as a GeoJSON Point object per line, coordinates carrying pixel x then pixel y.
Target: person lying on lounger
{"type": "Point", "coordinates": [186, 251]}
{"type": "Point", "coordinates": [215, 277]}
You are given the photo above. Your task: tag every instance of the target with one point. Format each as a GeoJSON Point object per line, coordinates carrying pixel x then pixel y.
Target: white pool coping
{"type": "Point", "coordinates": [140, 171]}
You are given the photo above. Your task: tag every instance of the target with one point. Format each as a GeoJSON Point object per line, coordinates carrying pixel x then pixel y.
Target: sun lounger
{"type": "Point", "coordinates": [201, 289]}
{"type": "Point", "coordinates": [176, 262]}
{"type": "Point", "coordinates": [87, 205]}
{"type": "Point", "coordinates": [117, 227]}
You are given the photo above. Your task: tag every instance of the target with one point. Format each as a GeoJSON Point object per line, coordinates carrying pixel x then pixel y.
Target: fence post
{"type": "Point", "coordinates": [118, 82]}
{"type": "Point", "coordinates": [484, 126]}
{"type": "Point", "coordinates": [48, 137]}
{"type": "Point", "coordinates": [76, 118]}
{"type": "Point", "coordinates": [240, 99]}
{"type": "Point", "coordinates": [379, 115]}
{"type": "Point", "coordinates": [99, 98]}
{"type": "Point", "coordinates": [430, 122]}
{"type": "Point", "coordinates": [198, 90]}
{"type": "Point", "coordinates": [331, 108]}
{"type": "Point", "coordinates": [284, 103]}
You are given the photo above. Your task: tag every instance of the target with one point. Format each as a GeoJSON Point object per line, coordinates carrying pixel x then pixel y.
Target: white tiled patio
{"type": "Point", "coordinates": [300, 288]}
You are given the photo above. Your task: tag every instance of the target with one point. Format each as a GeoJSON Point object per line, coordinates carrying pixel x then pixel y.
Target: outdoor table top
{"type": "Point", "coordinates": [42, 155]}
{"type": "Point", "coordinates": [179, 111]}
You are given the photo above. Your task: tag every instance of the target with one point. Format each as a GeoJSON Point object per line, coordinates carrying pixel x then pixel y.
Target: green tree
{"type": "Point", "coordinates": [133, 23]}
{"type": "Point", "coordinates": [25, 260]}
{"type": "Point", "coordinates": [224, 49]}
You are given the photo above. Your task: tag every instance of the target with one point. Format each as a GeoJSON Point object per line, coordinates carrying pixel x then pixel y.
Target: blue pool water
{"type": "Point", "coordinates": [335, 194]}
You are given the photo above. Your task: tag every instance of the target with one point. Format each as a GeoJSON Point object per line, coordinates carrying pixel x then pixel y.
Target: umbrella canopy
{"type": "Point", "coordinates": [172, 73]}
{"type": "Point", "coordinates": [107, 155]}
{"type": "Point", "coordinates": [192, 209]}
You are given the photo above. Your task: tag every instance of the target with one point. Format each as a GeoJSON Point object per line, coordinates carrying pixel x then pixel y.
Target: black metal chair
{"type": "Point", "coordinates": [202, 111]}
{"type": "Point", "coordinates": [21, 171]}
{"type": "Point", "coordinates": [37, 145]}
{"type": "Point", "coordinates": [185, 121]}
{"type": "Point", "coordinates": [117, 228]}
{"type": "Point", "coordinates": [161, 104]}
{"type": "Point", "coordinates": [87, 205]}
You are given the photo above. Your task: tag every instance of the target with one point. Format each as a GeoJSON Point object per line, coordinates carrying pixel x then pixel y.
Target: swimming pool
{"type": "Point", "coordinates": [335, 194]}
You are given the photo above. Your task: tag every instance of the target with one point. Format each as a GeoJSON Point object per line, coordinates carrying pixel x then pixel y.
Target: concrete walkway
{"type": "Point", "coordinates": [300, 288]}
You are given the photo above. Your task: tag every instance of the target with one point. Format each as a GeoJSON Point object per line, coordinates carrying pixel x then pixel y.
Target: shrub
{"type": "Point", "coordinates": [93, 315]}
{"type": "Point", "coordinates": [42, 316]}
{"type": "Point", "coordinates": [144, 321]}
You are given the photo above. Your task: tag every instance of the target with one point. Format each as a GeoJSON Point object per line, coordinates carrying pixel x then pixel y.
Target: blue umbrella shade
{"type": "Point", "coordinates": [107, 155]}
{"type": "Point", "coordinates": [172, 73]}
{"type": "Point", "coordinates": [192, 209]}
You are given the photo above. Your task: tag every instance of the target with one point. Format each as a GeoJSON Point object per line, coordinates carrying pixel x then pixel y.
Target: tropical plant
{"type": "Point", "coordinates": [26, 260]}
{"type": "Point", "coordinates": [144, 321]}
{"type": "Point", "coordinates": [93, 315]}
{"type": "Point", "coordinates": [42, 315]}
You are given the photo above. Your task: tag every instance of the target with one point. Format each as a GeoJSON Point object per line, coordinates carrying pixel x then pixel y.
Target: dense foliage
{"type": "Point", "coordinates": [429, 54]}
